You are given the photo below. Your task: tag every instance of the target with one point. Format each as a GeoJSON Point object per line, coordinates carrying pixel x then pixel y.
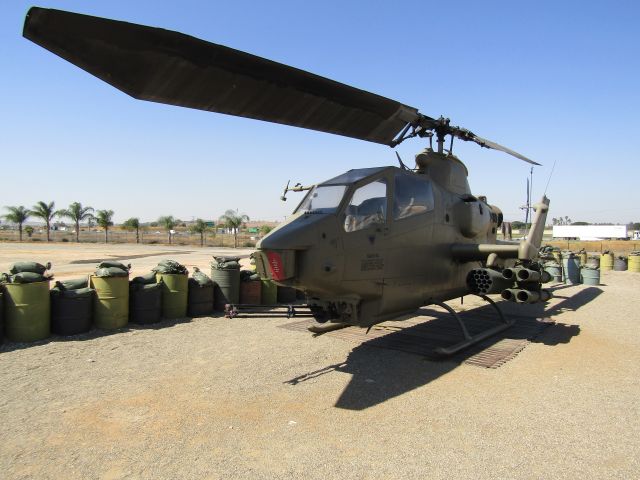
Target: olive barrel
{"type": "Point", "coordinates": [251, 292]}
{"type": "Point", "coordinates": [227, 286]}
{"type": "Point", "coordinates": [111, 304]}
{"type": "Point", "coordinates": [269, 293]}
{"type": "Point", "coordinates": [590, 276]}
{"type": "Point", "coordinates": [175, 292]}
{"type": "Point", "coordinates": [558, 256]}
{"type": "Point", "coordinates": [620, 264]}
{"type": "Point", "coordinates": [634, 262]}
{"type": "Point", "coordinates": [1, 315]}
{"type": "Point", "coordinates": [583, 257]}
{"type": "Point", "coordinates": [606, 261]}
{"type": "Point", "coordinates": [201, 298]}
{"type": "Point", "coordinates": [571, 269]}
{"type": "Point", "coordinates": [71, 310]}
{"type": "Point", "coordinates": [27, 308]}
{"type": "Point", "coordinates": [555, 270]}
{"type": "Point", "coordinates": [145, 303]}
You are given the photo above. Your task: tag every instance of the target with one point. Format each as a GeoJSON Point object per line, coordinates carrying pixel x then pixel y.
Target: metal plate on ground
{"type": "Point", "coordinates": [431, 329]}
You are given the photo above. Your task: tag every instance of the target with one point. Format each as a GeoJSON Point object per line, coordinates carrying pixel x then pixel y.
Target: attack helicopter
{"type": "Point", "coordinates": [366, 246]}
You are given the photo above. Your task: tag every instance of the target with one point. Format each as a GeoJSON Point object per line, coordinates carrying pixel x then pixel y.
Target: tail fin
{"type": "Point", "coordinates": [528, 249]}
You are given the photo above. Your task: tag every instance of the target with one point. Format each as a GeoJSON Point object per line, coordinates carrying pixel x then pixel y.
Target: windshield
{"type": "Point", "coordinates": [322, 199]}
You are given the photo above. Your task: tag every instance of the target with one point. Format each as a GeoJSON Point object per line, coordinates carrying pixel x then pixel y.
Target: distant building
{"type": "Point", "coordinates": [590, 232]}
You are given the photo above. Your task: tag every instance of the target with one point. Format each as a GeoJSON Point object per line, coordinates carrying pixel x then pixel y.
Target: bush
{"type": "Point", "coordinates": [65, 239]}
{"type": "Point", "coordinates": [249, 244]}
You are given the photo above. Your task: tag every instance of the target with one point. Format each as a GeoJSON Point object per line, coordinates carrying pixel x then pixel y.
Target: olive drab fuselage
{"type": "Point", "coordinates": [363, 267]}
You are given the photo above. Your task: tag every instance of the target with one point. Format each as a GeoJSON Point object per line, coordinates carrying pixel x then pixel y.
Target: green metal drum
{"type": "Point", "coordinates": [583, 257]}
{"type": "Point", "coordinates": [606, 261]}
{"type": "Point", "coordinates": [175, 294]}
{"type": "Point", "coordinates": [145, 303]}
{"type": "Point", "coordinates": [227, 288]}
{"type": "Point", "coordinates": [27, 311]}
{"type": "Point", "coordinates": [634, 262]}
{"type": "Point", "coordinates": [269, 293]}
{"type": "Point", "coordinates": [590, 276]}
{"type": "Point", "coordinates": [1, 315]}
{"type": "Point", "coordinates": [571, 269]}
{"type": "Point", "coordinates": [111, 305]}
{"type": "Point", "coordinates": [555, 271]}
{"type": "Point", "coordinates": [620, 264]}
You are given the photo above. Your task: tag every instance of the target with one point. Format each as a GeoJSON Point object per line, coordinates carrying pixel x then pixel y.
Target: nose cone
{"type": "Point", "coordinates": [299, 233]}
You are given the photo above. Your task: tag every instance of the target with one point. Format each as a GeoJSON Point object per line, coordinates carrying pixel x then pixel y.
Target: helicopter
{"type": "Point", "coordinates": [366, 246]}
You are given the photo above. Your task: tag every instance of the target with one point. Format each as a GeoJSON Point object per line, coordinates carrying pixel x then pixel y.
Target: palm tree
{"type": "Point", "coordinates": [133, 223]}
{"type": "Point", "coordinates": [17, 215]}
{"type": "Point", "coordinates": [103, 218]}
{"type": "Point", "coordinates": [231, 219]}
{"type": "Point", "coordinates": [45, 211]}
{"type": "Point", "coordinates": [199, 227]}
{"type": "Point", "coordinates": [167, 222]}
{"type": "Point", "coordinates": [77, 213]}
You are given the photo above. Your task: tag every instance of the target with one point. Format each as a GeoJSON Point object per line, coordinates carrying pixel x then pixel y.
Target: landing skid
{"type": "Point", "coordinates": [470, 340]}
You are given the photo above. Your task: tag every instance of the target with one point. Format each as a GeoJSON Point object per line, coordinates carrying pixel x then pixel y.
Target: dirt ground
{"type": "Point", "coordinates": [242, 398]}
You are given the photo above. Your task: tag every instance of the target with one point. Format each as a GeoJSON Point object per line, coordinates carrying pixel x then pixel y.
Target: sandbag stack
{"type": "Point", "coordinates": [111, 305]}
{"type": "Point", "coordinates": [225, 272]}
{"type": "Point", "coordinates": [175, 288]}
{"type": "Point", "coordinates": [27, 304]}
{"type": "Point", "coordinates": [72, 306]}
{"type": "Point", "coordinates": [250, 288]}
{"type": "Point", "coordinates": [201, 294]}
{"type": "Point", "coordinates": [145, 299]}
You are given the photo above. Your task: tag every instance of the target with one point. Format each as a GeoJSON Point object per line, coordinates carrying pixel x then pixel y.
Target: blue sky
{"type": "Point", "coordinates": [556, 81]}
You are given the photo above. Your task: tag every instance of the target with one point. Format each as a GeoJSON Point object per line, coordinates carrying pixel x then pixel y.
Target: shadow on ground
{"type": "Point", "coordinates": [9, 346]}
{"type": "Point", "coordinates": [380, 374]}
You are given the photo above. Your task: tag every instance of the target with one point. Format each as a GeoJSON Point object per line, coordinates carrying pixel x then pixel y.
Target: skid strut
{"type": "Point", "coordinates": [472, 339]}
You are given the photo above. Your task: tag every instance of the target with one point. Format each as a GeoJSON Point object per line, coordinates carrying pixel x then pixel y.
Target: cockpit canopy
{"type": "Point", "coordinates": [365, 196]}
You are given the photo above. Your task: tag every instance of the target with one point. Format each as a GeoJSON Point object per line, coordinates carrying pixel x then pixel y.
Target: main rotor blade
{"type": "Point", "coordinates": [483, 142]}
{"type": "Point", "coordinates": [169, 67]}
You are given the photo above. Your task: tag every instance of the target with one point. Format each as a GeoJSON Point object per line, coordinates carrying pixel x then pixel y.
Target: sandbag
{"type": "Point", "coordinates": [31, 267]}
{"type": "Point", "coordinates": [148, 279]}
{"type": "Point", "coordinates": [145, 303]}
{"type": "Point", "coordinates": [26, 277]}
{"type": "Point", "coordinates": [71, 310]}
{"type": "Point", "coordinates": [248, 276]}
{"type": "Point", "coordinates": [170, 267]}
{"type": "Point", "coordinates": [201, 278]}
{"type": "Point", "coordinates": [113, 263]}
{"type": "Point", "coordinates": [111, 272]}
{"type": "Point", "coordinates": [75, 284]}
{"type": "Point", "coordinates": [226, 263]}
{"type": "Point", "coordinates": [201, 298]}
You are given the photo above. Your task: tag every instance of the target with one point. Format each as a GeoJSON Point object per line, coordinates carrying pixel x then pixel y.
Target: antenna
{"type": "Point", "coordinates": [549, 180]}
{"type": "Point", "coordinates": [402, 165]}
{"type": "Point", "coordinates": [527, 207]}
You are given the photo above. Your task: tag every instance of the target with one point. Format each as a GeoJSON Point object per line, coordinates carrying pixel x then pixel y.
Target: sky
{"type": "Point", "coordinates": [555, 81]}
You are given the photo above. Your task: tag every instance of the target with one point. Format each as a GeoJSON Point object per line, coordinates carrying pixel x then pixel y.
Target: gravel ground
{"type": "Point", "coordinates": [217, 398]}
